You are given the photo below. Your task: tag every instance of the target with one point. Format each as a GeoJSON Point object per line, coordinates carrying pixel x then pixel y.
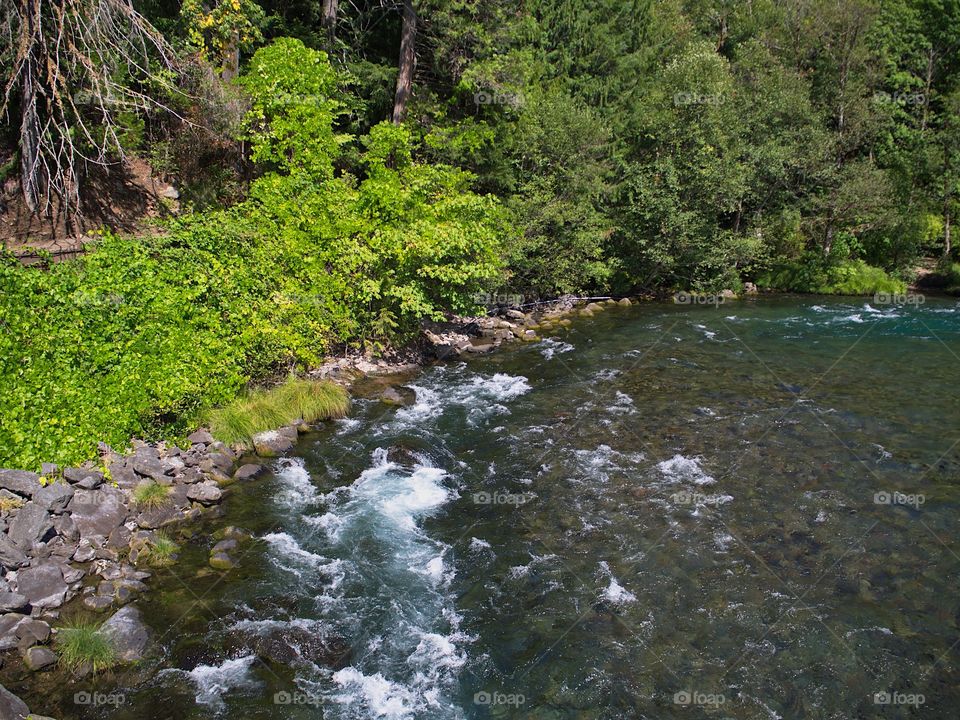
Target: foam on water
{"type": "Point", "coordinates": [213, 681]}
{"type": "Point", "coordinates": [480, 395]}
{"type": "Point", "coordinates": [681, 468]}
{"type": "Point", "coordinates": [550, 347]}
{"type": "Point", "coordinates": [296, 488]}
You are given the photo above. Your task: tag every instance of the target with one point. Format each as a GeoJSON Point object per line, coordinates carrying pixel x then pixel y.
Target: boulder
{"type": "Point", "coordinates": [12, 707]}
{"type": "Point", "coordinates": [128, 634]}
{"type": "Point", "coordinates": [9, 626]}
{"type": "Point", "coordinates": [147, 463]}
{"type": "Point", "coordinates": [38, 658]}
{"type": "Point", "coordinates": [295, 646]}
{"type": "Point", "coordinates": [21, 482]}
{"type": "Point", "coordinates": [200, 437]}
{"type": "Point", "coordinates": [221, 561]}
{"type": "Point", "coordinates": [248, 471]}
{"type": "Point", "coordinates": [11, 556]}
{"type": "Point", "coordinates": [205, 493]}
{"type": "Point", "coordinates": [31, 525]}
{"type": "Point", "coordinates": [66, 528]}
{"type": "Point", "coordinates": [624, 302]}
{"type": "Point", "coordinates": [85, 477]}
{"type": "Point", "coordinates": [43, 585]}
{"type": "Point", "coordinates": [54, 497]}
{"type": "Point", "coordinates": [86, 551]}
{"type": "Point", "coordinates": [33, 631]}
{"type": "Point", "coordinates": [98, 512]}
{"type": "Point", "coordinates": [159, 517]}
{"type": "Point", "coordinates": [271, 443]}
{"type": "Point", "coordinates": [122, 473]}
{"type": "Point", "coordinates": [13, 602]}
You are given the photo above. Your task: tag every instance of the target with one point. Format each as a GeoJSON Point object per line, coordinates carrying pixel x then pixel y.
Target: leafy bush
{"type": "Point", "coordinates": [812, 275]}
{"type": "Point", "coordinates": [142, 337]}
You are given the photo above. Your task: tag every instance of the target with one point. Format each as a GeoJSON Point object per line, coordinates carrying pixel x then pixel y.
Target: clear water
{"type": "Point", "coordinates": [662, 512]}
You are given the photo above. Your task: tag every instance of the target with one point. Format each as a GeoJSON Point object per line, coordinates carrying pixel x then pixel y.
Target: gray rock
{"type": "Point", "coordinates": [127, 633]}
{"type": "Point", "coordinates": [205, 493]}
{"type": "Point", "coordinates": [86, 551]}
{"type": "Point", "coordinates": [170, 192]}
{"type": "Point", "coordinates": [159, 517]}
{"type": "Point", "coordinates": [38, 658]}
{"type": "Point", "coordinates": [13, 602]}
{"type": "Point", "coordinates": [75, 475]}
{"type": "Point", "coordinates": [66, 528]}
{"type": "Point", "coordinates": [54, 497]}
{"type": "Point", "coordinates": [200, 437]}
{"type": "Point", "coordinates": [12, 707]}
{"type": "Point", "coordinates": [47, 469]}
{"type": "Point", "coordinates": [248, 471]}
{"type": "Point", "coordinates": [34, 631]}
{"type": "Point", "coordinates": [98, 603]}
{"type": "Point", "coordinates": [224, 546]}
{"type": "Point", "coordinates": [122, 473]}
{"type": "Point", "coordinates": [11, 556]}
{"type": "Point", "coordinates": [32, 525]}
{"type": "Point", "coordinates": [9, 625]}
{"type": "Point", "coordinates": [98, 512]}
{"type": "Point", "coordinates": [221, 561]}
{"type": "Point", "coordinates": [119, 538]}
{"type": "Point", "coordinates": [43, 585]}
{"type": "Point", "coordinates": [272, 443]}
{"type": "Point", "coordinates": [147, 463]}
{"type": "Point", "coordinates": [20, 482]}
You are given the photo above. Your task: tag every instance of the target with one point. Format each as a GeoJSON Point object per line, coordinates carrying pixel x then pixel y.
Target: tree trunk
{"type": "Point", "coordinates": [29, 120]}
{"type": "Point", "coordinates": [947, 248]}
{"type": "Point", "coordinates": [330, 21]}
{"type": "Point", "coordinates": [408, 61]}
{"type": "Point", "coordinates": [231, 59]}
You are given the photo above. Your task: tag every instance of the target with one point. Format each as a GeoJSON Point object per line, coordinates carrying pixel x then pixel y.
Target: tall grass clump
{"type": "Point", "coordinates": [309, 400]}
{"type": "Point", "coordinates": [160, 550]}
{"type": "Point", "coordinates": [81, 642]}
{"type": "Point", "coordinates": [150, 494]}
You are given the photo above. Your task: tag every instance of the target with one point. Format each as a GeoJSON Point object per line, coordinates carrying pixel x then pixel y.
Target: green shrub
{"type": "Point", "coordinates": [142, 336]}
{"type": "Point", "coordinates": [812, 275]}
{"type": "Point", "coordinates": [81, 643]}
{"type": "Point", "coordinates": [263, 410]}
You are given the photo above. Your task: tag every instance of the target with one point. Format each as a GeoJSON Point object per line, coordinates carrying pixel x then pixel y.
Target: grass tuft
{"type": "Point", "coordinates": [260, 410]}
{"type": "Point", "coordinates": [10, 503]}
{"type": "Point", "coordinates": [150, 494]}
{"type": "Point", "coordinates": [81, 642]}
{"type": "Point", "coordinates": [160, 551]}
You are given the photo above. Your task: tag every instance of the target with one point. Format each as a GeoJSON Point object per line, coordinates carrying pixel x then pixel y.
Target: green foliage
{"type": "Point", "coordinates": [260, 410]}
{"type": "Point", "coordinates": [812, 275]}
{"type": "Point", "coordinates": [81, 643]}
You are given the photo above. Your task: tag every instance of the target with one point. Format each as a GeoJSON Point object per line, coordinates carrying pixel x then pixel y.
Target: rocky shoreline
{"type": "Point", "coordinates": [88, 534]}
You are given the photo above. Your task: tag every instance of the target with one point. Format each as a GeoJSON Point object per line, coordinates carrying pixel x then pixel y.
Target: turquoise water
{"type": "Point", "coordinates": [743, 511]}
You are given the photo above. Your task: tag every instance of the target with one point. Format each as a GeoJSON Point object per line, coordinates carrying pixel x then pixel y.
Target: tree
{"type": "Point", "coordinates": [408, 61]}
{"type": "Point", "coordinates": [77, 67]}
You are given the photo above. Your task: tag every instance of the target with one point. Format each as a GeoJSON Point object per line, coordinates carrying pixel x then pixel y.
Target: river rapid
{"type": "Point", "coordinates": [737, 511]}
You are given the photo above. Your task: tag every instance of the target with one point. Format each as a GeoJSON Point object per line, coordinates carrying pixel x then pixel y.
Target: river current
{"type": "Point", "coordinates": [665, 511]}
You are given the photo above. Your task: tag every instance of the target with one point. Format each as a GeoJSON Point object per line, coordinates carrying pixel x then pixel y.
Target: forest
{"type": "Point", "coordinates": [343, 170]}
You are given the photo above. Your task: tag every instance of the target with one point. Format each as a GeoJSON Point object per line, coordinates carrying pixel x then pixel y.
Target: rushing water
{"type": "Point", "coordinates": [743, 511]}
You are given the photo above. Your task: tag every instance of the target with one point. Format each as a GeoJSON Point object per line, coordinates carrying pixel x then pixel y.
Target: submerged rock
{"type": "Point", "coordinates": [38, 658]}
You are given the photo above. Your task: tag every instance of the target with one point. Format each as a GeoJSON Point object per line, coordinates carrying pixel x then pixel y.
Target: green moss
{"type": "Point", "coordinates": [150, 494]}
{"type": "Point", "coordinates": [81, 643]}
{"type": "Point", "coordinates": [261, 410]}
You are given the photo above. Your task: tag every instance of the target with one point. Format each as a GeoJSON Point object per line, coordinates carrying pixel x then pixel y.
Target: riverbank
{"type": "Point", "coordinates": [88, 538]}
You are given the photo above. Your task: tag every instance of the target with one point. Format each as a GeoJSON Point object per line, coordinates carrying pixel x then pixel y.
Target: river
{"type": "Point", "coordinates": [737, 511]}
